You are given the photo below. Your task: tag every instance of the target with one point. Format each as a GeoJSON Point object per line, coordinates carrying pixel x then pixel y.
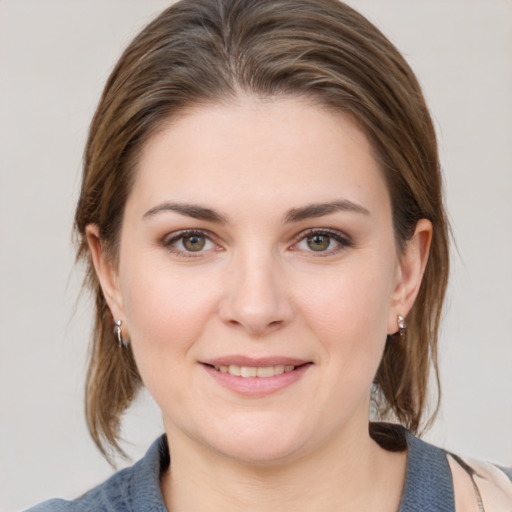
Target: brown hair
{"type": "Point", "coordinates": [200, 51]}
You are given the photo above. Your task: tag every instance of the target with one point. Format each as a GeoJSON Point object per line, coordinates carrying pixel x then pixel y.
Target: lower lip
{"type": "Point", "coordinates": [257, 386]}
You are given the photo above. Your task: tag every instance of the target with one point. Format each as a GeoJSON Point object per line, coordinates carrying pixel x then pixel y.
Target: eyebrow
{"type": "Point", "coordinates": [190, 210]}
{"type": "Point", "coordinates": [294, 215]}
{"type": "Point", "coordinates": [320, 209]}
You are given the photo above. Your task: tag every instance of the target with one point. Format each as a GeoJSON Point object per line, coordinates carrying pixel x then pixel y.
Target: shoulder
{"type": "Point", "coordinates": [481, 482]}
{"type": "Point", "coordinates": [112, 495]}
{"type": "Point", "coordinates": [133, 488]}
{"type": "Point", "coordinates": [55, 505]}
{"type": "Point", "coordinates": [441, 481]}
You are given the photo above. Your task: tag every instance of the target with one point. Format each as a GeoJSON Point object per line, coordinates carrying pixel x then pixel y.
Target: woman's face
{"type": "Point", "coordinates": [258, 240]}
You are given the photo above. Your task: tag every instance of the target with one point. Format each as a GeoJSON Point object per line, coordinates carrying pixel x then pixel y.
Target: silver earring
{"type": "Point", "coordinates": [118, 333]}
{"type": "Point", "coordinates": [402, 325]}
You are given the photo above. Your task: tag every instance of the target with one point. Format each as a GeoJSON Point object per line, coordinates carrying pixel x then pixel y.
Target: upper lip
{"type": "Point", "coordinates": [239, 360]}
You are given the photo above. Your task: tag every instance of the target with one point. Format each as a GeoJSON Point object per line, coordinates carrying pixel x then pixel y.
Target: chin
{"type": "Point", "coordinates": [262, 454]}
{"type": "Point", "coordinates": [261, 444]}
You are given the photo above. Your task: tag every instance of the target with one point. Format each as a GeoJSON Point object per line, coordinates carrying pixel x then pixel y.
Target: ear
{"type": "Point", "coordinates": [410, 273]}
{"type": "Point", "coordinates": [106, 272]}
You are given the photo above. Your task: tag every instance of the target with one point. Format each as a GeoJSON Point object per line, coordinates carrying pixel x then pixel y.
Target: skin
{"type": "Point", "coordinates": [495, 488]}
{"type": "Point", "coordinates": [258, 289]}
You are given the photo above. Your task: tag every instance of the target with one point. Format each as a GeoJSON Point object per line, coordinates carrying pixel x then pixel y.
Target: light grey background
{"type": "Point", "coordinates": [54, 58]}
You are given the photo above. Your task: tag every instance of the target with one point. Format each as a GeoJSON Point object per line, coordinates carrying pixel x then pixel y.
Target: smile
{"type": "Point", "coordinates": [256, 377]}
{"type": "Point", "coordinates": [255, 371]}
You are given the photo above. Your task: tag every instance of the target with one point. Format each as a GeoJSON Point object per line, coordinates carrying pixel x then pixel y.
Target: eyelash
{"type": "Point", "coordinates": [342, 241]}
{"type": "Point", "coordinates": [176, 237]}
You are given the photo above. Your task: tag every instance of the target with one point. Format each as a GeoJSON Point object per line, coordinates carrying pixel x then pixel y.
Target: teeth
{"type": "Point", "coordinates": [248, 371]}
{"type": "Point", "coordinates": [234, 370]}
{"type": "Point", "coordinates": [278, 369]}
{"type": "Point", "coordinates": [255, 371]}
{"type": "Point", "coordinates": [265, 371]}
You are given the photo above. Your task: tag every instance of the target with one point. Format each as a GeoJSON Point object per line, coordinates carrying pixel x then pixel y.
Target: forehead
{"type": "Point", "coordinates": [279, 151]}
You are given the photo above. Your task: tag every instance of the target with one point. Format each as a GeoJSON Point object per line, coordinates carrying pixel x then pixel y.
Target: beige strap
{"type": "Point", "coordinates": [471, 472]}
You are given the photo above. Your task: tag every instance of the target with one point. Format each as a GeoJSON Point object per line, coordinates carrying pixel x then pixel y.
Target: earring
{"type": "Point", "coordinates": [118, 333]}
{"type": "Point", "coordinates": [402, 325]}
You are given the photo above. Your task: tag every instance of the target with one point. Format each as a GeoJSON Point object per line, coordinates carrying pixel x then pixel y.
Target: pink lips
{"type": "Point", "coordinates": [256, 386]}
{"type": "Point", "coordinates": [239, 360]}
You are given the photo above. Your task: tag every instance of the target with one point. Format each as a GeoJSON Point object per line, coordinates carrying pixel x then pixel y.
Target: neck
{"type": "Point", "coordinates": [348, 473]}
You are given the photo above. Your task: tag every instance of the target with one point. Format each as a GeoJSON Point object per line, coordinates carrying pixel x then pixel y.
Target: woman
{"type": "Point", "coordinates": [262, 220]}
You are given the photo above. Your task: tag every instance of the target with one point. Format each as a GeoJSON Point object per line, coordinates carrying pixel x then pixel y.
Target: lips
{"type": "Point", "coordinates": [239, 360]}
{"type": "Point", "coordinates": [256, 376]}
{"type": "Point", "coordinates": [242, 366]}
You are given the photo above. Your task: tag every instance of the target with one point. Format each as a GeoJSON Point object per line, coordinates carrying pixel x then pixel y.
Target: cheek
{"type": "Point", "coordinates": [166, 312]}
{"type": "Point", "coordinates": [351, 302]}
{"type": "Point", "coordinates": [349, 314]}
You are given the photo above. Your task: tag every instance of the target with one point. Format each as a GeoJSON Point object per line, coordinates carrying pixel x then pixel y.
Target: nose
{"type": "Point", "coordinates": [255, 297]}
